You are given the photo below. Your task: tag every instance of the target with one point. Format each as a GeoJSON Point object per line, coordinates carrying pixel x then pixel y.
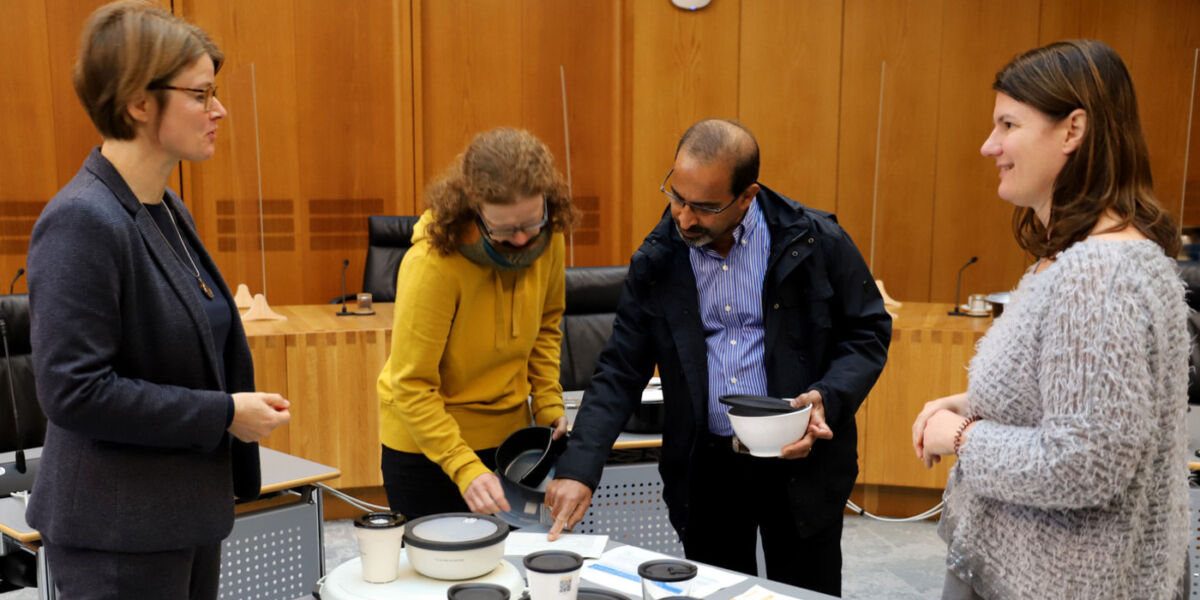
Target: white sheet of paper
{"type": "Point", "coordinates": [759, 592]}
{"type": "Point", "coordinates": [520, 543]}
{"type": "Point", "coordinates": [618, 569]}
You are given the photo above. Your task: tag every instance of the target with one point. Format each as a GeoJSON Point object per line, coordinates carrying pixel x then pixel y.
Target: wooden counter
{"type": "Point", "coordinates": [326, 366]}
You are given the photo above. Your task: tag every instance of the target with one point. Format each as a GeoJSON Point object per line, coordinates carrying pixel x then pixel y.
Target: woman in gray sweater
{"type": "Point", "coordinates": [1071, 476]}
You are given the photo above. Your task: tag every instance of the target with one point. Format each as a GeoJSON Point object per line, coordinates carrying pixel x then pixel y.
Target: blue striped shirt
{"type": "Point", "coordinates": [731, 311]}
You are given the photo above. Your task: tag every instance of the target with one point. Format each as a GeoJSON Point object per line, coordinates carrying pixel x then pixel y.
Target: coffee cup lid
{"type": "Point", "coordinates": [667, 570]}
{"type": "Point", "coordinates": [477, 591]}
{"type": "Point", "coordinates": [379, 520]}
{"type": "Point", "coordinates": [553, 561]}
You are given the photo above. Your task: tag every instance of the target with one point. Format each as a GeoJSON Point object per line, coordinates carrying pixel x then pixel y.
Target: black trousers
{"type": "Point", "coordinates": [417, 486]}
{"type": "Point", "coordinates": [740, 495]}
{"type": "Point", "coordinates": [84, 574]}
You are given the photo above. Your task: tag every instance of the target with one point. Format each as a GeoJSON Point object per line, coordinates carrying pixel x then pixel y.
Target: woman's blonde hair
{"type": "Point", "coordinates": [126, 48]}
{"type": "Point", "coordinates": [498, 167]}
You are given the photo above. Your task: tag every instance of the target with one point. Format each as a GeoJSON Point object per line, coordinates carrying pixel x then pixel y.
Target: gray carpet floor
{"type": "Point", "coordinates": [892, 561]}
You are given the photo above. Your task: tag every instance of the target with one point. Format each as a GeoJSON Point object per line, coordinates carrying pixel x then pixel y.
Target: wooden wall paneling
{"type": "Point", "coordinates": [259, 90]}
{"type": "Point", "coordinates": [346, 113]}
{"type": "Point", "coordinates": [582, 37]}
{"type": "Point", "coordinates": [1157, 41]}
{"type": "Point", "coordinates": [1191, 201]}
{"type": "Point", "coordinates": [908, 36]}
{"type": "Point", "coordinates": [27, 162]}
{"type": "Point", "coordinates": [789, 92]}
{"type": "Point", "coordinates": [969, 219]}
{"type": "Point", "coordinates": [685, 68]}
{"type": "Point", "coordinates": [406, 201]}
{"type": "Point", "coordinates": [74, 133]}
{"type": "Point", "coordinates": [470, 80]}
{"type": "Point", "coordinates": [312, 382]}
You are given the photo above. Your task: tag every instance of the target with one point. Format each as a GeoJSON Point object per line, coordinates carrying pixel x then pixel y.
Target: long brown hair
{"type": "Point", "coordinates": [1110, 171]}
{"type": "Point", "coordinates": [496, 168]}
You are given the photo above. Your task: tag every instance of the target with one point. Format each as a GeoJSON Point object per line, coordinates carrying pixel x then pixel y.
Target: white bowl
{"type": "Point", "coordinates": [765, 435]}
{"type": "Point", "coordinates": [455, 546]}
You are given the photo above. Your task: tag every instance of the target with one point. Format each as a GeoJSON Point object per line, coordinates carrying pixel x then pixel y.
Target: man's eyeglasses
{"type": "Point", "coordinates": [508, 232]}
{"type": "Point", "coordinates": [680, 202]}
{"type": "Point", "coordinates": [208, 93]}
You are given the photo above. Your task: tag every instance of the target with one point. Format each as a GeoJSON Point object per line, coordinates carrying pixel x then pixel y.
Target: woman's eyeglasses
{"type": "Point", "coordinates": [510, 231]}
{"type": "Point", "coordinates": [207, 93]}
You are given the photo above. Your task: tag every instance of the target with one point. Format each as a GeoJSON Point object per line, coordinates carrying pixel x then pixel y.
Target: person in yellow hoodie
{"type": "Point", "coordinates": [479, 298]}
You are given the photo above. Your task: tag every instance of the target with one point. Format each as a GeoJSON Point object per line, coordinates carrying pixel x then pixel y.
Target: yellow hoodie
{"type": "Point", "coordinates": [469, 345]}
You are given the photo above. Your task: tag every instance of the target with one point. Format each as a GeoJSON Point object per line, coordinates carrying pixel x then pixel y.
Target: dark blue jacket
{"type": "Point", "coordinates": [136, 456]}
{"type": "Point", "coordinates": [825, 329]}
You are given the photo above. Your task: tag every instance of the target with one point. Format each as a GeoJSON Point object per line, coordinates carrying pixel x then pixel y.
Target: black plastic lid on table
{"type": "Point", "coordinates": [477, 591]}
{"type": "Point", "coordinates": [379, 520]}
{"type": "Point", "coordinates": [599, 594]}
{"type": "Point", "coordinates": [667, 570]}
{"type": "Point", "coordinates": [762, 405]}
{"type": "Point", "coordinates": [553, 561]}
{"type": "Point", "coordinates": [455, 531]}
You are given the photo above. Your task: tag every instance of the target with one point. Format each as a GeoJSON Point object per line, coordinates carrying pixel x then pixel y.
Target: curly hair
{"type": "Point", "coordinates": [1111, 169]}
{"type": "Point", "coordinates": [497, 167]}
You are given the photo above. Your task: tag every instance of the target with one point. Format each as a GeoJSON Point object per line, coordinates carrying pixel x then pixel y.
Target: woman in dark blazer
{"type": "Point", "coordinates": [141, 362]}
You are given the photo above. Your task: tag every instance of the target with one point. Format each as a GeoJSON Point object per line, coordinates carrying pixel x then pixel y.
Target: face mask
{"type": "Point", "coordinates": [485, 253]}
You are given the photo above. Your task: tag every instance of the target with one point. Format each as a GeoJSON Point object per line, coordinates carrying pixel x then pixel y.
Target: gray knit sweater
{"type": "Point", "coordinates": [1074, 484]}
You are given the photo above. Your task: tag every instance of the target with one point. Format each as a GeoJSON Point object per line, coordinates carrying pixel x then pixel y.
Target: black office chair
{"type": "Point", "coordinates": [388, 239]}
{"type": "Point", "coordinates": [592, 296]}
{"type": "Point", "coordinates": [14, 310]}
{"type": "Point", "coordinates": [18, 568]}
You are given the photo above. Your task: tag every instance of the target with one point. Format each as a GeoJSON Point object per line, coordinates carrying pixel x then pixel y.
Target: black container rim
{"type": "Point", "coordinates": [501, 592]}
{"type": "Point", "coordinates": [667, 570]}
{"type": "Point", "coordinates": [591, 593]}
{"type": "Point", "coordinates": [416, 541]}
{"type": "Point", "coordinates": [566, 562]}
{"type": "Point", "coordinates": [379, 520]}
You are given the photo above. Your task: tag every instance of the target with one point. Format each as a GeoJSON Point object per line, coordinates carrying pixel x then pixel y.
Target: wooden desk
{"type": "Point", "coordinates": [326, 366]}
{"type": "Point", "coordinates": [279, 472]}
{"type": "Point", "coordinates": [927, 359]}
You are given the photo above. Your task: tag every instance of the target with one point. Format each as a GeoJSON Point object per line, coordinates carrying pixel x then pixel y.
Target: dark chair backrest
{"type": "Point", "coordinates": [14, 310]}
{"type": "Point", "coordinates": [592, 296]}
{"type": "Point", "coordinates": [388, 238]}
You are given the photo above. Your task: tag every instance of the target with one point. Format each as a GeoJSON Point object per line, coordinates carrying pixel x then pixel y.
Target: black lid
{"type": "Point", "coordinates": [667, 570]}
{"type": "Point", "coordinates": [599, 594]}
{"type": "Point", "coordinates": [455, 531]}
{"type": "Point", "coordinates": [553, 561]}
{"type": "Point", "coordinates": [477, 591]}
{"type": "Point", "coordinates": [769, 404]}
{"type": "Point", "coordinates": [379, 520]}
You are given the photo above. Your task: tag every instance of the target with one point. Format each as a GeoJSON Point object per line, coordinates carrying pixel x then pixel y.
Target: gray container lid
{"type": "Point", "coordinates": [667, 570]}
{"type": "Point", "coordinates": [477, 591]}
{"type": "Point", "coordinates": [455, 531]}
{"type": "Point", "coordinates": [553, 561]}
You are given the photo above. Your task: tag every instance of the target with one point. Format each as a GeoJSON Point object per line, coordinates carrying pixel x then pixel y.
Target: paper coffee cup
{"type": "Point", "coordinates": [553, 574]}
{"type": "Point", "coordinates": [379, 538]}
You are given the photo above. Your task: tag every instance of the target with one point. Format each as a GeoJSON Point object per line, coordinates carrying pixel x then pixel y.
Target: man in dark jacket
{"type": "Point", "coordinates": [738, 290]}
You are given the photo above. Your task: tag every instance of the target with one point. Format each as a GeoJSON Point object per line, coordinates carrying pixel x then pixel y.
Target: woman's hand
{"type": "Point", "coordinates": [256, 415]}
{"type": "Point", "coordinates": [956, 404]}
{"type": "Point", "coordinates": [485, 495]}
{"type": "Point", "coordinates": [560, 428]}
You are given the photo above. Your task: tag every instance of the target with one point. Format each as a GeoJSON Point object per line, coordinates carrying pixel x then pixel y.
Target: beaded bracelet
{"type": "Point", "coordinates": [958, 434]}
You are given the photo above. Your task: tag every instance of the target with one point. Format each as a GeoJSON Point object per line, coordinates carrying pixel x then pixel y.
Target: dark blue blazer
{"type": "Point", "coordinates": [825, 329]}
{"type": "Point", "coordinates": [136, 456]}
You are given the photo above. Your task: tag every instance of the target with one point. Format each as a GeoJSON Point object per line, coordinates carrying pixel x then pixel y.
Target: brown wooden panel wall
{"type": "Point", "coordinates": [360, 104]}
{"type": "Point", "coordinates": [494, 63]}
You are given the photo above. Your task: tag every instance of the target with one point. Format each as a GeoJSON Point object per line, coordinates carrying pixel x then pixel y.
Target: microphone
{"type": "Point", "coordinates": [12, 394]}
{"type": "Point", "coordinates": [957, 312]}
{"type": "Point", "coordinates": [344, 312]}
{"type": "Point", "coordinates": [13, 285]}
